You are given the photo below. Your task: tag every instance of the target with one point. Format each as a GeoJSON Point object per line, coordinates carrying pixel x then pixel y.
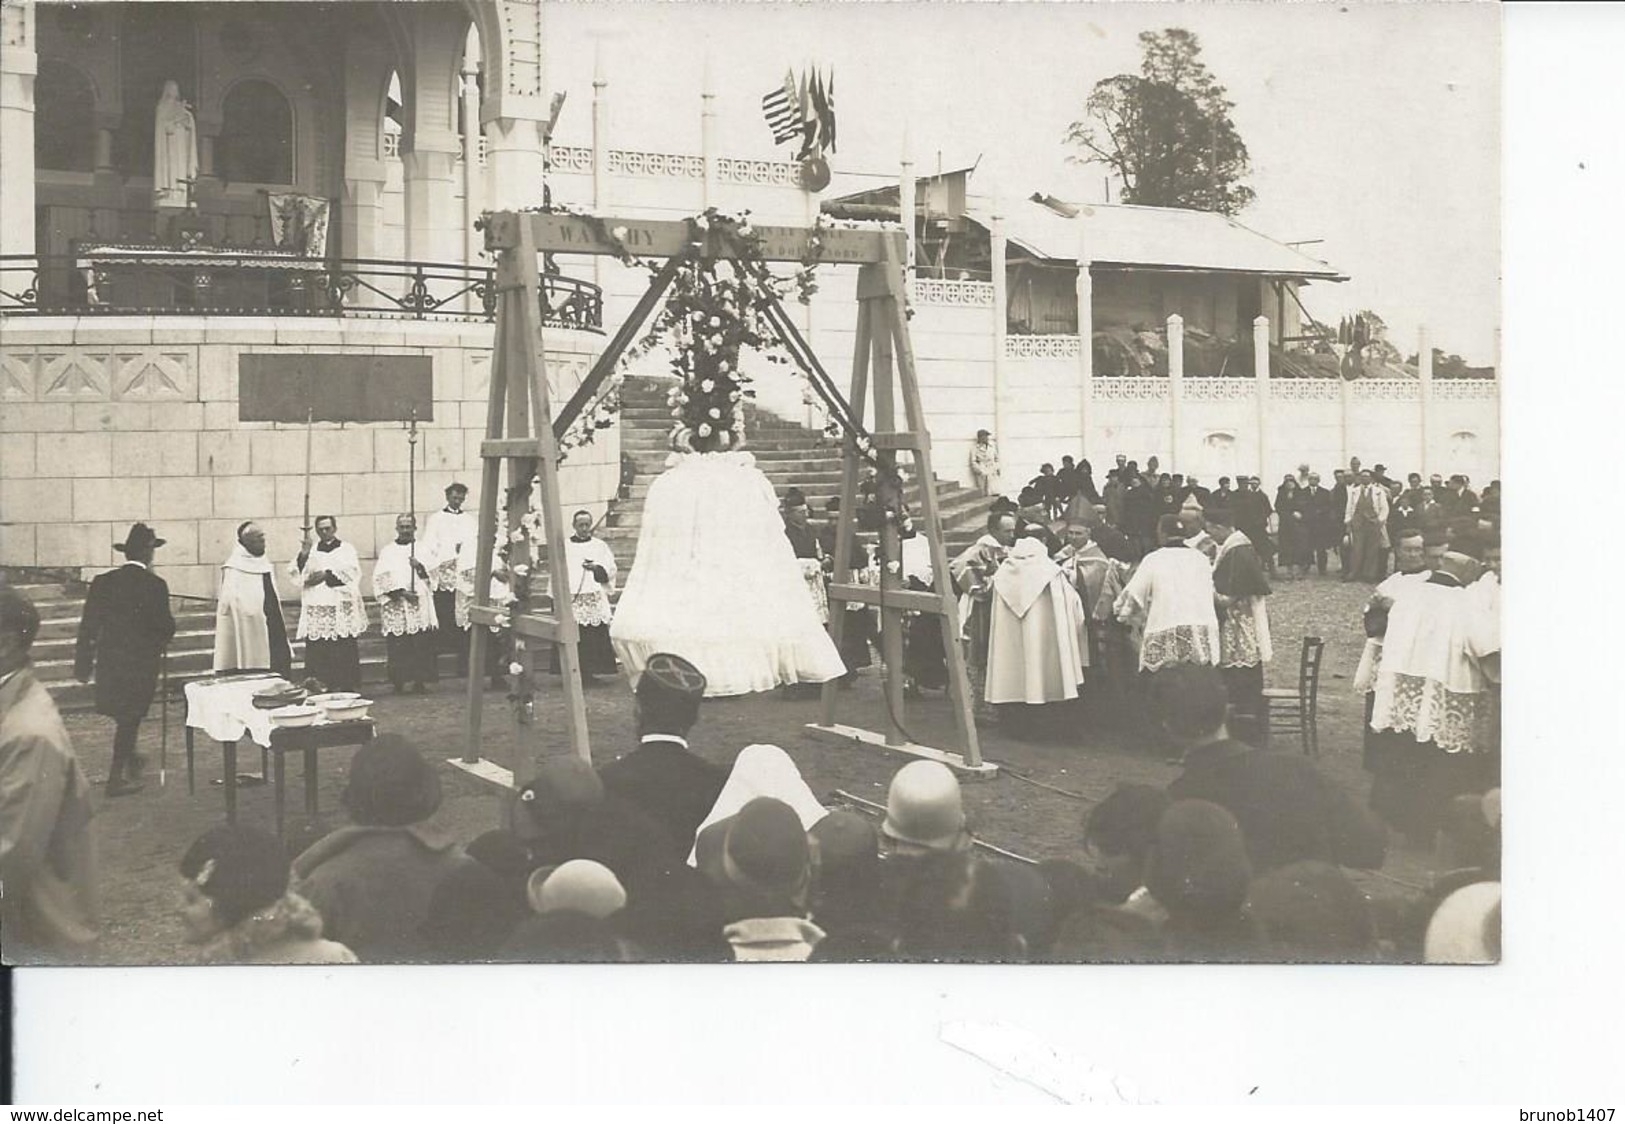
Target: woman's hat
{"type": "Point", "coordinates": [391, 784]}
{"type": "Point", "coordinates": [141, 537]}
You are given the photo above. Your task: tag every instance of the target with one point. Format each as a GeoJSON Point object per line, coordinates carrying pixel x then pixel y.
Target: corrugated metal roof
{"type": "Point", "coordinates": [1151, 237]}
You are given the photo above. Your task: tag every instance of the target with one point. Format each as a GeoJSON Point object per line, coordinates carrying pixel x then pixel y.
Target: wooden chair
{"type": "Point", "coordinates": [1298, 708]}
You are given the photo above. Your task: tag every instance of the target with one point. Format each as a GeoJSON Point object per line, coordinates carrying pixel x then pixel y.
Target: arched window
{"type": "Point", "coordinates": [64, 119]}
{"type": "Point", "coordinates": [256, 138]}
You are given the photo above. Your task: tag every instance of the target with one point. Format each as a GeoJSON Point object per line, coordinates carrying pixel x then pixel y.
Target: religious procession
{"type": "Point", "coordinates": [521, 494]}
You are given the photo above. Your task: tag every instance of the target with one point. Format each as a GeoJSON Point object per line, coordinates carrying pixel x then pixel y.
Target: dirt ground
{"type": "Point", "coordinates": [142, 837]}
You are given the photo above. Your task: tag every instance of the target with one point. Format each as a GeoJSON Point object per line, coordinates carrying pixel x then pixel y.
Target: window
{"type": "Point", "coordinates": [64, 119]}
{"type": "Point", "coordinates": [256, 138]}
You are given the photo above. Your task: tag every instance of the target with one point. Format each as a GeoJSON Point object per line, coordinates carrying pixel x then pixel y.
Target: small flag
{"type": "Point", "coordinates": [782, 108]}
{"type": "Point", "coordinates": [811, 122]}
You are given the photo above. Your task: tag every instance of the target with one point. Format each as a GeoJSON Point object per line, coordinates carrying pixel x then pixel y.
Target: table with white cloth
{"type": "Point", "coordinates": [222, 706]}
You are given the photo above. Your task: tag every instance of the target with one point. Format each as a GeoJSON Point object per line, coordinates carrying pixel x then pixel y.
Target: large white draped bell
{"type": "Point", "coordinates": [716, 582]}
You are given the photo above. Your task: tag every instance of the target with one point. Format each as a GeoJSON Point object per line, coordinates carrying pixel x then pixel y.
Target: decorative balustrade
{"type": "Point", "coordinates": [1130, 389]}
{"type": "Point", "coordinates": [1386, 390]}
{"type": "Point", "coordinates": [1221, 389]}
{"type": "Point", "coordinates": [154, 281]}
{"type": "Point", "coordinates": [655, 164]}
{"type": "Point", "coordinates": [1467, 390]}
{"type": "Point", "coordinates": [927, 290]}
{"type": "Point", "coordinates": [1306, 390]}
{"type": "Point", "coordinates": [1041, 347]}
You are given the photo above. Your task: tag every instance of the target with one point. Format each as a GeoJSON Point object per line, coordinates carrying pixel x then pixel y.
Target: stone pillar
{"type": "Point", "coordinates": [1086, 339]}
{"type": "Point", "coordinates": [104, 151]}
{"type": "Point", "coordinates": [515, 168]}
{"type": "Point", "coordinates": [1261, 375]}
{"type": "Point", "coordinates": [601, 265]}
{"type": "Point", "coordinates": [18, 66]}
{"type": "Point", "coordinates": [905, 207]}
{"type": "Point", "coordinates": [1345, 405]}
{"type": "Point", "coordinates": [1424, 374]}
{"type": "Point", "coordinates": [1000, 326]}
{"type": "Point", "coordinates": [430, 173]}
{"type": "Point", "coordinates": [1176, 385]}
{"type": "Point", "coordinates": [708, 136]}
{"type": "Point", "coordinates": [473, 182]}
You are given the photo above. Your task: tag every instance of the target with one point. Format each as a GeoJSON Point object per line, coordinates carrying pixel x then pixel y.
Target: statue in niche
{"type": "Point", "coordinates": [174, 150]}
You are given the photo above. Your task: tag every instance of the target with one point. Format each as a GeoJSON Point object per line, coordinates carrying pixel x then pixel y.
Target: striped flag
{"type": "Point", "coordinates": [783, 110]}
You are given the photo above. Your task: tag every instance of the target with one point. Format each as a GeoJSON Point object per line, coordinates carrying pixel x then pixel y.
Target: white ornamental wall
{"type": "Point", "coordinates": [107, 421]}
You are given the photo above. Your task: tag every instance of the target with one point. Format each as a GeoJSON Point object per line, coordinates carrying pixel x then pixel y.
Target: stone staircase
{"type": "Point", "coordinates": [790, 454]}
{"type": "Point", "coordinates": [191, 653]}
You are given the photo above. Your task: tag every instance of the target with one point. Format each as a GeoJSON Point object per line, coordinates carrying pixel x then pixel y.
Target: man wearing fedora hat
{"type": "Point", "coordinates": [122, 636]}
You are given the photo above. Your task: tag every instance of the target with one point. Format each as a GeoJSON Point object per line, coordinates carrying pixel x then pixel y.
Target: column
{"type": "Point", "coordinates": [18, 65]}
{"type": "Point", "coordinates": [1261, 375]}
{"type": "Point", "coordinates": [430, 172]}
{"type": "Point", "coordinates": [600, 155]}
{"type": "Point", "coordinates": [708, 135]}
{"type": "Point", "coordinates": [1000, 325]}
{"type": "Point", "coordinates": [1086, 339]}
{"type": "Point", "coordinates": [514, 168]}
{"type": "Point", "coordinates": [1424, 374]}
{"type": "Point", "coordinates": [1176, 385]}
{"type": "Point", "coordinates": [473, 196]}
{"type": "Point", "coordinates": [905, 206]}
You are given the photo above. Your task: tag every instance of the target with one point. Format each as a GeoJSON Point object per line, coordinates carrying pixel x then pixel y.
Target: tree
{"type": "Point", "coordinates": [1166, 131]}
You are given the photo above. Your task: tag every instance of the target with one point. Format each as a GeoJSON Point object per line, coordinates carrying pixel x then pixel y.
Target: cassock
{"type": "Point", "coordinates": [590, 564]}
{"type": "Point", "coordinates": [1433, 716]}
{"type": "Point", "coordinates": [1086, 570]}
{"type": "Point", "coordinates": [1037, 648]}
{"type": "Point", "coordinates": [406, 608]}
{"type": "Point", "coordinates": [925, 659]}
{"type": "Point", "coordinates": [447, 537]}
{"type": "Point", "coordinates": [1173, 589]}
{"type": "Point", "coordinates": [1244, 624]}
{"type": "Point", "coordinates": [331, 614]}
{"type": "Point", "coordinates": [972, 570]}
{"type": "Point", "coordinates": [248, 630]}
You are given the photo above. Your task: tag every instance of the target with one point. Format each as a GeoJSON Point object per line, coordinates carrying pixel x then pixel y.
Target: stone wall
{"type": "Point", "coordinates": [104, 421]}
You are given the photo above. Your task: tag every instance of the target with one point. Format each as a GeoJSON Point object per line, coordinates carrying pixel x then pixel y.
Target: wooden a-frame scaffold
{"type": "Point", "coordinates": [522, 433]}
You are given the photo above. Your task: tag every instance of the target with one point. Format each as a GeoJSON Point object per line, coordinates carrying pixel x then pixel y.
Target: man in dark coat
{"type": "Point", "coordinates": [673, 785]}
{"type": "Point", "coordinates": [1340, 503]}
{"type": "Point", "coordinates": [1325, 521]}
{"type": "Point", "coordinates": [1288, 809]}
{"type": "Point", "coordinates": [122, 636]}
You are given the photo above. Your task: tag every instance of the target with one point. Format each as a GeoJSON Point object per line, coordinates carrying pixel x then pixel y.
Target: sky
{"type": "Point", "coordinates": [1372, 127]}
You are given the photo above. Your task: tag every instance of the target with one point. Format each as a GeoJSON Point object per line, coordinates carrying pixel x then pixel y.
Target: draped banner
{"type": "Point", "coordinates": [298, 223]}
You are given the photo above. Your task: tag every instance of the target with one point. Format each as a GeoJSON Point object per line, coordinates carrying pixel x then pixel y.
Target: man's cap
{"type": "Point", "coordinates": [141, 537]}
{"type": "Point", "coordinates": [671, 675]}
{"type": "Point", "coordinates": [794, 498]}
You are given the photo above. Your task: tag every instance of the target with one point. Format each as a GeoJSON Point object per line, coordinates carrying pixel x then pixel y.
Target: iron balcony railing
{"type": "Point", "coordinates": [138, 280]}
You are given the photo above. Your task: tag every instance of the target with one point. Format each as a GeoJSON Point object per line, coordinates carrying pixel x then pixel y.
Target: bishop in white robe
{"type": "Point", "coordinates": [1037, 645]}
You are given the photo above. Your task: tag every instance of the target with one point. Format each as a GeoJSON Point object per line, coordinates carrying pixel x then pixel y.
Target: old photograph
{"type": "Point", "coordinates": [493, 481]}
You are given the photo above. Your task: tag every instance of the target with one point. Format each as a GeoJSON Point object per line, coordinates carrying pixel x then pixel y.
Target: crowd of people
{"type": "Point", "coordinates": [663, 854]}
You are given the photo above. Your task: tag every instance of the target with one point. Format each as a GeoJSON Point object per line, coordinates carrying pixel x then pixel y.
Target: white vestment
{"type": "Point", "coordinates": [1431, 681]}
{"type": "Point", "coordinates": [328, 612]}
{"type": "Point", "coordinates": [716, 582]}
{"type": "Point", "coordinates": [1037, 647]}
{"type": "Point", "coordinates": [401, 617]}
{"type": "Point", "coordinates": [447, 536]}
{"type": "Point", "coordinates": [589, 599]}
{"type": "Point", "coordinates": [1173, 588]}
{"type": "Point", "coordinates": [241, 639]}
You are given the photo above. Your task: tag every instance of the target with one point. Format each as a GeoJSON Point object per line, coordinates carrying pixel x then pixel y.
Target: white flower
{"type": "Point", "coordinates": [521, 570]}
{"type": "Point", "coordinates": [707, 386]}
{"type": "Point", "coordinates": [517, 536]}
{"type": "Point", "coordinates": [516, 668]}
{"type": "Point", "coordinates": [723, 366]}
{"type": "Point", "coordinates": [704, 430]}
{"type": "Point", "coordinates": [893, 566]}
{"type": "Point", "coordinates": [716, 321]}
{"type": "Point", "coordinates": [697, 315]}
{"type": "Point", "coordinates": [620, 233]}
{"type": "Point", "coordinates": [714, 412]}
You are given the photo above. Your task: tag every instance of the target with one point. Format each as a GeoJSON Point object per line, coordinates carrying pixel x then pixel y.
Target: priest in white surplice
{"type": "Point", "coordinates": [406, 605]}
{"type": "Point", "coordinates": [249, 634]}
{"type": "Point", "coordinates": [331, 612]}
{"type": "Point", "coordinates": [590, 564]}
{"type": "Point", "coordinates": [449, 537]}
{"type": "Point", "coordinates": [1037, 647]}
